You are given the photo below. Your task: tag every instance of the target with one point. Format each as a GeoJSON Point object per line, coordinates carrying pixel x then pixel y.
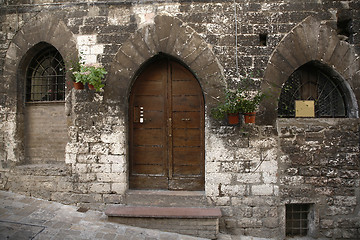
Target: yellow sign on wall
{"type": "Point", "coordinates": [304, 108]}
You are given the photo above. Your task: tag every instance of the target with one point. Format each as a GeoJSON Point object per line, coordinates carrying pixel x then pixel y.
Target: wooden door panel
{"type": "Point", "coordinates": [185, 87]}
{"type": "Point", "coordinates": [148, 169]}
{"type": "Point", "coordinates": [179, 72]}
{"type": "Point", "coordinates": [149, 137]}
{"type": "Point", "coordinates": [153, 103]}
{"type": "Point", "coordinates": [143, 182]}
{"type": "Point", "coordinates": [186, 137]}
{"type": "Point", "coordinates": [152, 119]}
{"type": "Point", "coordinates": [186, 103]}
{"type": "Point", "coordinates": [186, 119]}
{"type": "Point", "coordinates": [187, 156]}
{"type": "Point", "coordinates": [187, 170]}
{"type": "Point", "coordinates": [150, 88]}
{"type": "Point", "coordinates": [148, 155]}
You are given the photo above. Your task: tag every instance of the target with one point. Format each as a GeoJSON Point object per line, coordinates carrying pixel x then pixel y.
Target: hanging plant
{"type": "Point", "coordinates": [230, 107]}
{"type": "Point", "coordinates": [239, 100]}
{"type": "Point", "coordinates": [91, 74]}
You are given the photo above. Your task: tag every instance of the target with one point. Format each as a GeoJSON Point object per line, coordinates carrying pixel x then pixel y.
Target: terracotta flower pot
{"type": "Point", "coordinates": [233, 118]}
{"type": "Point", "coordinates": [249, 117]}
{"type": "Point", "coordinates": [91, 87]}
{"type": "Point", "coordinates": [78, 85]}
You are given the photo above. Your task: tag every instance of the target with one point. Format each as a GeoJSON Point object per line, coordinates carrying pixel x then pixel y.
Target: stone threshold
{"type": "Point", "coordinates": [163, 212]}
{"type": "Point", "coordinates": [165, 193]}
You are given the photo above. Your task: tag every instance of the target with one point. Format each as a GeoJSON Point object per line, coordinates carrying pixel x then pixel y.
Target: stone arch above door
{"type": "Point", "coordinates": [309, 41]}
{"type": "Point", "coordinates": [171, 36]}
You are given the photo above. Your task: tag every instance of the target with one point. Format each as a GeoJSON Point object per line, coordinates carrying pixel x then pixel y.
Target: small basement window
{"type": "Point", "coordinates": [297, 219]}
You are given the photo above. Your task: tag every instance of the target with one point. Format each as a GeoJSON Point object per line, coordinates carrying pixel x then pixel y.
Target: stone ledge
{"type": "Point", "coordinates": [163, 212]}
{"type": "Point", "coordinates": [55, 169]}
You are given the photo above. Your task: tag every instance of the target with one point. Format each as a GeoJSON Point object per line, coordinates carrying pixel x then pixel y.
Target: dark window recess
{"type": "Point", "coordinates": [263, 39]}
{"type": "Point", "coordinates": [297, 219]}
{"type": "Point", "coordinates": [345, 27]}
{"type": "Point", "coordinates": [311, 83]}
{"type": "Point", "coordinates": [45, 78]}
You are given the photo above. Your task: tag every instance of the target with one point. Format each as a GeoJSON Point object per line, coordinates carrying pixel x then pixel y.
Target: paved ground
{"type": "Point", "coordinates": [23, 217]}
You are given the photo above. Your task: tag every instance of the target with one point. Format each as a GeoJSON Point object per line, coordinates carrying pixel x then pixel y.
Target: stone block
{"type": "Point", "coordinates": [80, 168]}
{"type": "Point", "coordinates": [132, 53]}
{"type": "Point", "coordinates": [119, 188]}
{"type": "Point", "coordinates": [64, 186]}
{"type": "Point", "coordinates": [216, 178]}
{"type": "Point", "coordinates": [249, 223]}
{"type": "Point", "coordinates": [80, 148]}
{"type": "Point", "coordinates": [233, 190]}
{"type": "Point", "coordinates": [271, 222]}
{"type": "Point", "coordinates": [111, 177]}
{"type": "Point", "coordinates": [100, 187]}
{"type": "Point", "coordinates": [88, 158]}
{"type": "Point", "coordinates": [114, 137]}
{"type": "Point", "coordinates": [119, 167]}
{"type": "Point", "coordinates": [116, 159]}
{"type": "Point", "coordinates": [86, 177]}
{"type": "Point", "coordinates": [100, 168]}
{"type": "Point", "coordinates": [86, 40]}
{"type": "Point", "coordinates": [70, 158]}
{"type": "Point", "coordinates": [212, 167]}
{"type": "Point", "coordinates": [254, 178]}
{"type": "Point", "coordinates": [262, 190]}
{"type": "Point", "coordinates": [327, 223]}
{"type": "Point", "coordinates": [99, 148]}
{"type": "Point", "coordinates": [113, 198]}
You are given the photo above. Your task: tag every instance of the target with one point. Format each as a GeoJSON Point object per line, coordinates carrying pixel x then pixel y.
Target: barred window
{"type": "Point", "coordinates": [297, 219]}
{"type": "Point", "coordinates": [309, 82]}
{"type": "Point", "coordinates": [45, 78]}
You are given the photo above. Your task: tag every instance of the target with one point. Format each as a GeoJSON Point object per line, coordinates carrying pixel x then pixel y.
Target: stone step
{"type": "Point", "coordinates": [194, 221]}
{"type": "Point", "coordinates": [166, 198]}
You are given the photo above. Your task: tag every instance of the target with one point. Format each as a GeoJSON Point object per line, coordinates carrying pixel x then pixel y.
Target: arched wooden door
{"type": "Point", "coordinates": [166, 117]}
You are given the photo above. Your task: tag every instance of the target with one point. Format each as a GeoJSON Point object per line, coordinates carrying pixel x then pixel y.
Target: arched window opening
{"type": "Point", "coordinates": [45, 77]}
{"type": "Point", "coordinates": [313, 84]}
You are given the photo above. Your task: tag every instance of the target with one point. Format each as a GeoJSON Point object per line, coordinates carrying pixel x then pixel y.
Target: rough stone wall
{"type": "Point", "coordinates": [319, 164]}
{"type": "Point", "coordinates": [97, 148]}
{"type": "Point", "coordinates": [242, 178]}
{"type": "Point", "coordinates": [251, 171]}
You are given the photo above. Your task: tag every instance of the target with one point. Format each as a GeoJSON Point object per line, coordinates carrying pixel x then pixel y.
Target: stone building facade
{"type": "Point", "coordinates": [75, 148]}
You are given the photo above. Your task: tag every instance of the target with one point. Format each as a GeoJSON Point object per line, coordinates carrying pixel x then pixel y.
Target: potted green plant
{"type": "Point", "coordinates": [238, 101]}
{"type": "Point", "coordinates": [75, 67]}
{"type": "Point", "coordinates": [248, 104]}
{"type": "Point", "coordinates": [229, 108]}
{"type": "Point", "coordinates": [91, 74]}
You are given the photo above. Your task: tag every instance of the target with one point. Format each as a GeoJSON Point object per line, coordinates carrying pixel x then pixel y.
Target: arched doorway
{"type": "Point", "coordinates": [166, 135]}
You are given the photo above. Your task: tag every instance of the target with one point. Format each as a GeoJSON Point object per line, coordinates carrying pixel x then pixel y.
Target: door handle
{"type": "Point", "coordinates": [170, 127]}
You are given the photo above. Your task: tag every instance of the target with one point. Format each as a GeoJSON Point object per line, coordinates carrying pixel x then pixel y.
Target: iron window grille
{"type": "Point", "coordinates": [310, 83]}
{"type": "Point", "coordinates": [45, 78]}
{"type": "Point", "coordinates": [297, 219]}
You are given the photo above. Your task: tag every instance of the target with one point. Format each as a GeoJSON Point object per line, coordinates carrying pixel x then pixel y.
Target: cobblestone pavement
{"type": "Point", "coordinates": [23, 217]}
